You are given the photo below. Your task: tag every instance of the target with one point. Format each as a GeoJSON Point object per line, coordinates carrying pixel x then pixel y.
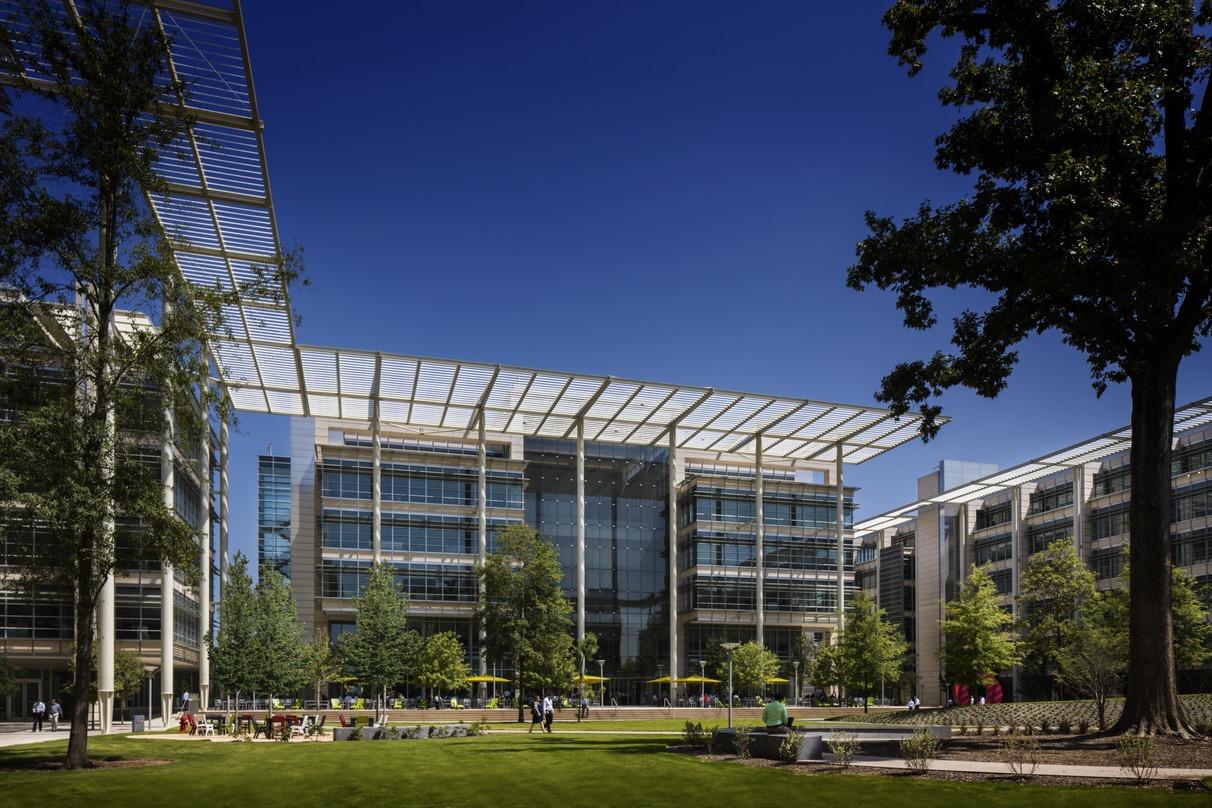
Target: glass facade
{"type": "Point", "coordinates": [626, 544]}
{"type": "Point", "coordinates": [273, 513]}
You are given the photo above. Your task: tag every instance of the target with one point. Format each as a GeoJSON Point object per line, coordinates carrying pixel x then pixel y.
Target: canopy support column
{"type": "Point", "coordinates": [223, 489]}
{"type": "Point", "coordinates": [673, 562]}
{"type": "Point", "coordinates": [105, 601]}
{"type": "Point", "coordinates": [168, 594]}
{"type": "Point", "coordinates": [204, 584]}
{"type": "Point", "coordinates": [482, 523]}
{"type": "Point", "coordinates": [841, 539]}
{"type": "Point", "coordinates": [580, 530]}
{"type": "Point", "coordinates": [376, 474]}
{"type": "Point", "coordinates": [759, 536]}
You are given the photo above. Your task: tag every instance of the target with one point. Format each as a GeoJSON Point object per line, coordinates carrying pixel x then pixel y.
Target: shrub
{"type": "Point", "coordinates": [412, 733]}
{"type": "Point", "coordinates": [711, 740]}
{"type": "Point", "coordinates": [1064, 727]}
{"type": "Point", "coordinates": [315, 731]}
{"type": "Point", "coordinates": [844, 746]}
{"type": "Point", "coordinates": [356, 735]}
{"type": "Point", "coordinates": [477, 728]}
{"type": "Point", "coordinates": [1137, 757]}
{"type": "Point", "coordinates": [692, 733]}
{"type": "Point", "coordinates": [963, 728]}
{"type": "Point", "coordinates": [980, 728]}
{"type": "Point", "coordinates": [439, 731]}
{"type": "Point", "coordinates": [283, 734]}
{"type": "Point", "coordinates": [1021, 756]}
{"type": "Point", "coordinates": [742, 742]}
{"type": "Point", "coordinates": [997, 730]}
{"type": "Point", "coordinates": [1083, 727]}
{"type": "Point", "coordinates": [789, 749]}
{"type": "Point", "coordinates": [919, 751]}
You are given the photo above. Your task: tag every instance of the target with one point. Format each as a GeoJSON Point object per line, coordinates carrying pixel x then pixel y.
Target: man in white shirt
{"type": "Point", "coordinates": [39, 711]}
{"type": "Point", "coordinates": [548, 713]}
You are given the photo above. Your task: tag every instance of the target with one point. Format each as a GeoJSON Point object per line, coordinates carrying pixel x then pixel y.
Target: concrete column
{"type": "Point", "coordinates": [1079, 509]}
{"type": "Point", "coordinates": [223, 489]}
{"type": "Point", "coordinates": [482, 522]}
{"type": "Point", "coordinates": [376, 474]}
{"type": "Point", "coordinates": [204, 584]}
{"type": "Point", "coordinates": [841, 539]}
{"type": "Point", "coordinates": [759, 535]}
{"type": "Point", "coordinates": [105, 600]}
{"type": "Point", "coordinates": [580, 529]}
{"type": "Point", "coordinates": [167, 599]}
{"type": "Point", "coordinates": [673, 560]}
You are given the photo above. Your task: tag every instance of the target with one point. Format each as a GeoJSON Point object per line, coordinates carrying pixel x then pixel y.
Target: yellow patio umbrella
{"type": "Point", "coordinates": [593, 680]}
{"type": "Point", "coordinates": [778, 680]}
{"type": "Point", "coordinates": [699, 680]}
{"type": "Point", "coordinates": [485, 677]}
{"type": "Point", "coordinates": [660, 680]}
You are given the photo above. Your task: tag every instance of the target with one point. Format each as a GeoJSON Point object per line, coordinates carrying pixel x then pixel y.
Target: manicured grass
{"type": "Point", "coordinates": [499, 771]}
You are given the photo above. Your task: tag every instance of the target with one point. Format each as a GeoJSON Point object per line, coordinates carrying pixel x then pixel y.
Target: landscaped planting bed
{"type": "Point", "coordinates": [1034, 714]}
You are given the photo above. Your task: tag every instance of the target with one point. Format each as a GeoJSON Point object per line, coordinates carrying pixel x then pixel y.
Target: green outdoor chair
{"type": "Point", "coordinates": [494, 703]}
{"type": "Point", "coordinates": [397, 704]}
{"type": "Point", "coordinates": [360, 704]}
{"type": "Point", "coordinates": [334, 704]}
{"type": "Point", "coordinates": [260, 729]}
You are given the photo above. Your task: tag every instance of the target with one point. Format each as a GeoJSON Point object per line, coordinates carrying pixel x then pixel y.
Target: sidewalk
{"type": "Point", "coordinates": [1043, 770]}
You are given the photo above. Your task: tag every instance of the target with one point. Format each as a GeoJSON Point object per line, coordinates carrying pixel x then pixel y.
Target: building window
{"type": "Point", "coordinates": [1040, 536]}
{"type": "Point", "coordinates": [137, 612]}
{"type": "Point", "coordinates": [991, 549]}
{"type": "Point", "coordinates": [1110, 522]}
{"type": "Point", "coordinates": [187, 620]}
{"type": "Point", "coordinates": [1051, 499]}
{"type": "Point", "coordinates": [993, 516]}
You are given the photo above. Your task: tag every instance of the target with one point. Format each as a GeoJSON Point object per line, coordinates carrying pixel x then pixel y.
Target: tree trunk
{"type": "Point", "coordinates": [521, 687]}
{"type": "Point", "coordinates": [77, 742]}
{"type": "Point", "coordinates": [1151, 705]}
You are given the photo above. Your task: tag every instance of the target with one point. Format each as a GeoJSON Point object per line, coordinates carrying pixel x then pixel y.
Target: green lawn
{"type": "Point", "coordinates": [498, 771]}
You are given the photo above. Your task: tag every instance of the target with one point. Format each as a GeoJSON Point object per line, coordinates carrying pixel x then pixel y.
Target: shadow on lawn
{"type": "Point", "coordinates": [611, 746]}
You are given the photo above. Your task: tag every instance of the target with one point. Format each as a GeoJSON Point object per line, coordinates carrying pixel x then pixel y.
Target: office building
{"type": "Point", "coordinates": [914, 558]}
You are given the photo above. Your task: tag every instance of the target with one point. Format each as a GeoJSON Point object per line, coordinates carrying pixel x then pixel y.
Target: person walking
{"type": "Point", "coordinates": [584, 713]}
{"type": "Point", "coordinates": [56, 712]}
{"type": "Point", "coordinates": [548, 713]}
{"type": "Point", "coordinates": [39, 710]}
{"type": "Point", "coordinates": [536, 714]}
{"type": "Point", "coordinates": [185, 701]}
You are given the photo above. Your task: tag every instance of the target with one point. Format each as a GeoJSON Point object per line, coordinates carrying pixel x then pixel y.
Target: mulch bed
{"type": "Point", "coordinates": [1079, 750]}
{"type": "Point", "coordinates": [1084, 748]}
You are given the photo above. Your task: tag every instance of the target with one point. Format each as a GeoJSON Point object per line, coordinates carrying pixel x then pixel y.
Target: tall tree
{"type": "Point", "coordinates": [524, 612]}
{"type": "Point", "coordinates": [78, 246]}
{"type": "Point", "coordinates": [1093, 659]}
{"type": "Point", "coordinates": [279, 639]}
{"type": "Point", "coordinates": [1056, 586]}
{"type": "Point", "coordinates": [1192, 629]}
{"type": "Point", "coordinates": [978, 636]}
{"type": "Point", "coordinates": [382, 650]}
{"type": "Point", "coordinates": [870, 648]}
{"type": "Point", "coordinates": [826, 670]}
{"type": "Point", "coordinates": [1089, 216]}
{"type": "Point", "coordinates": [10, 675]}
{"type": "Point", "coordinates": [235, 654]}
{"type": "Point", "coordinates": [441, 665]}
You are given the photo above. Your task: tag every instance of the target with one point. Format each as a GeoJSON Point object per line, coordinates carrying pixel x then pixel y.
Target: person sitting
{"type": "Point", "coordinates": [774, 716]}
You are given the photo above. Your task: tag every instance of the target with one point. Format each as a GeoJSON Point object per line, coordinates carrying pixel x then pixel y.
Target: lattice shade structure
{"type": "Point", "coordinates": [217, 210]}
{"type": "Point", "coordinates": [1196, 414]}
{"type": "Point", "coordinates": [218, 213]}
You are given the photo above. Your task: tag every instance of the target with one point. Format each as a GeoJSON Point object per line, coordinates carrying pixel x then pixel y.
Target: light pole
{"type": "Point", "coordinates": [702, 683]}
{"type": "Point", "coordinates": [602, 682]}
{"type": "Point", "coordinates": [729, 647]}
{"type": "Point", "coordinates": [796, 682]}
{"type": "Point", "coordinates": [151, 671]}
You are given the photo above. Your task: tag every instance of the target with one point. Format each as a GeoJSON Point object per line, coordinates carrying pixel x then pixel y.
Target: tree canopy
{"type": "Point", "coordinates": [870, 649]}
{"type": "Point", "coordinates": [440, 665]}
{"type": "Point", "coordinates": [978, 635]}
{"type": "Point", "coordinates": [279, 640]}
{"type": "Point", "coordinates": [752, 666]}
{"type": "Point", "coordinates": [382, 650]}
{"type": "Point", "coordinates": [1086, 132]}
{"type": "Point", "coordinates": [233, 657]}
{"type": "Point", "coordinates": [524, 612]}
{"type": "Point", "coordinates": [1056, 585]}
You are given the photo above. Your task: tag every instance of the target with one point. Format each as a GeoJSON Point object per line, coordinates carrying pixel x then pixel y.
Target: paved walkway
{"type": "Point", "coordinates": [1043, 770]}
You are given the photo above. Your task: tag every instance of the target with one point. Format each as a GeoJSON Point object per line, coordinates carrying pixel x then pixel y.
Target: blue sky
{"type": "Point", "coordinates": [668, 191]}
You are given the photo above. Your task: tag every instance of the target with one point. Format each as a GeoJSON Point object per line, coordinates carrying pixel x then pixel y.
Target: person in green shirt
{"type": "Point", "coordinates": [774, 716]}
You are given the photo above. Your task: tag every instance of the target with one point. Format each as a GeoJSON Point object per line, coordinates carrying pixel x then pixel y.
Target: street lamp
{"type": "Point", "coordinates": [796, 682]}
{"type": "Point", "coordinates": [702, 683]}
{"type": "Point", "coordinates": [729, 647]}
{"type": "Point", "coordinates": [602, 682]}
{"type": "Point", "coordinates": [151, 671]}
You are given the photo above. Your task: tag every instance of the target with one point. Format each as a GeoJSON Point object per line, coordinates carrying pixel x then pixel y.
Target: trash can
{"type": "Point", "coordinates": [136, 723]}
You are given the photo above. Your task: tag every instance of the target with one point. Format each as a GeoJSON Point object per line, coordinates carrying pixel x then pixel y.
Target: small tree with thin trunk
{"type": "Point", "coordinates": [441, 665]}
{"type": "Point", "coordinates": [752, 666]}
{"type": "Point", "coordinates": [235, 655]}
{"type": "Point", "coordinates": [978, 635]}
{"type": "Point", "coordinates": [871, 649]}
{"type": "Point", "coordinates": [1056, 587]}
{"type": "Point", "coordinates": [381, 652]}
{"type": "Point", "coordinates": [279, 640]}
{"type": "Point", "coordinates": [321, 664]}
{"type": "Point", "coordinates": [1086, 130]}
{"type": "Point", "coordinates": [524, 612]}
{"type": "Point", "coordinates": [1093, 659]}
